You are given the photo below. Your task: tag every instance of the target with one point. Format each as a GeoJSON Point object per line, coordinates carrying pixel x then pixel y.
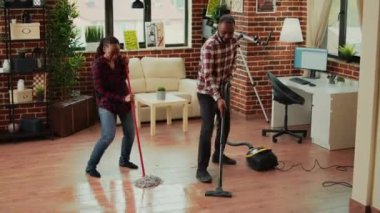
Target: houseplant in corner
{"type": "Point", "coordinates": [347, 52]}
{"type": "Point", "coordinates": [161, 93]}
{"type": "Point", "coordinates": [93, 35]}
{"type": "Point", "coordinates": [67, 114]}
{"type": "Point", "coordinates": [62, 41]}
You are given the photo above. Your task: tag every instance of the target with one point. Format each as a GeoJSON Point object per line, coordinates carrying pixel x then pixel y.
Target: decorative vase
{"type": "Point", "coordinates": [161, 95]}
{"type": "Point", "coordinates": [20, 85]}
{"type": "Point", "coordinates": [6, 65]}
{"type": "Point", "coordinates": [92, 46]}
{"type": "Point", "coordinates": [12, 128]}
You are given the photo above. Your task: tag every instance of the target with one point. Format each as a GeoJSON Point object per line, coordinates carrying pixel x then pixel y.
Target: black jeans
{"type": "Point", "coordinates": [209, 109]}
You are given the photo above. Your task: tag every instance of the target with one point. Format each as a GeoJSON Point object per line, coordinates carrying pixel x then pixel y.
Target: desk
{"type": "Point", "coordinates": [150, 99]}
{"type": "Point", "coordinates": [329, 108]}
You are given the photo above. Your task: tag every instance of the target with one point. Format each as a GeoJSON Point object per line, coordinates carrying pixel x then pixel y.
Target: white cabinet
{"type": "Point", "coordinates": [334, 120]}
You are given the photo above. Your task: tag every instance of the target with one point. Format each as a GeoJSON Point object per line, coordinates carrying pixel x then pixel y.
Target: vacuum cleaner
{"type": "Point", "coordinates": [258, 158]}
{"type": "Point", "coordinates": [219, 192]}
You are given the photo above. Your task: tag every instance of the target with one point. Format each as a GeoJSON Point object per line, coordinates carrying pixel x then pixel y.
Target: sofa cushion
{"type": "Point", "coordinates": [137, 75]}
{"type": "Point", "coordinates": [164, 72]}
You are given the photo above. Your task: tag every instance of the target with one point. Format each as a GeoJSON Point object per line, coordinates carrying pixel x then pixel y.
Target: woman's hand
{"type": "Point", "coordinates": [129, 98]}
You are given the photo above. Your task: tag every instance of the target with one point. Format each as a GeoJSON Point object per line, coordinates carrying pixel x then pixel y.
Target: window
{"type": "Point", "coordinates": [126, 18]}
{"type": "Point", "coordinates": [172, 13]}
{"type": "Point", "coordinates": [91, 14]}
{"type": "Point", "coordinates": [343, 26]}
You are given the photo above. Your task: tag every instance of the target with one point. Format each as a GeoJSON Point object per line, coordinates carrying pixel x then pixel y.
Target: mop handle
{"type": "Point", "coordinates": [135, 124]}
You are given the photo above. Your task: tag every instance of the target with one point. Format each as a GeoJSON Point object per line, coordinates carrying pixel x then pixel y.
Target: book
{"type": "Point", "coordinates": [130, 40]}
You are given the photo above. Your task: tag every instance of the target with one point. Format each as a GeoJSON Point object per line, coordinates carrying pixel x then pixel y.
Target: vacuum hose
{"type": "Point", "coordinates": [240, 144]}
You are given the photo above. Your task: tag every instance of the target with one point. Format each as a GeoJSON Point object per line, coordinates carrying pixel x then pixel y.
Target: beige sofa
{"type": "Point", "coordinates": [148, 73]}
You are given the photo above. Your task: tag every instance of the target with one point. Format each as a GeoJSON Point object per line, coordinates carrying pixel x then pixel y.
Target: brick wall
{"type": "Point", "coordinates": [275, 57]}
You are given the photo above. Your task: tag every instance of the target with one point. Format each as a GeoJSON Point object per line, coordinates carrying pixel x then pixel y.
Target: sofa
{"type": "Point", "coordinates": [149, 73]}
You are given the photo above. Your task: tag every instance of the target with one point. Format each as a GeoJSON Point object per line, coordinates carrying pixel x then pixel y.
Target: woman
{"type": "Point", "coordinates": [112, 96]}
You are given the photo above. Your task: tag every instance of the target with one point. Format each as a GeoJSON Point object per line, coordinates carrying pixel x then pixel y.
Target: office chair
{"type": "Point", "coordinates": [284, 95]}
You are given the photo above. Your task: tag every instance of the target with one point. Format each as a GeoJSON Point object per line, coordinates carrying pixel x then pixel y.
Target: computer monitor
{"type": "Point", "coordinates": [313, 59]}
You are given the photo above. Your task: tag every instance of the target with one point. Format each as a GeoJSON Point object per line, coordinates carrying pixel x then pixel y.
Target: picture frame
{"type": "Point", "coordinates": [154, 35]}
{"type": "Point", "coordinates": [150, 35]}
{"type": "Point", "coordinates": [235, 5]}
{"type": "Point", "coordinates": [211, 7]}
{"type": "Point", "coordinates": [265, 6]}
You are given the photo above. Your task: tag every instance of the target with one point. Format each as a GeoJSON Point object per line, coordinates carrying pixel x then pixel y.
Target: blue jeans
{"type": "Point", "coordinates": [108, 129]}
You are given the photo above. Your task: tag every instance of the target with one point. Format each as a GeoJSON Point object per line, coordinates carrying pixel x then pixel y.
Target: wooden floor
{"type": "Point", "coordinates": [48, 176]}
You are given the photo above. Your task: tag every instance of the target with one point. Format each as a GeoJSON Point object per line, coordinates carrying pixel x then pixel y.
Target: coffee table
{"type": "Point", "coordinates": [150, 99]}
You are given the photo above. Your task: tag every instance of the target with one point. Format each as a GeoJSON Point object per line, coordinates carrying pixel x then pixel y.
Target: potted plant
{"type": "Point", "coordinates": [219, 11]}
{"type": "Point", "coordinates": [64, 63]}
{"type": "Point", "coordinates": [93, 35]}
{"type": "Point", "coordinates": [161, 93]}
{"type": "Point", "coordinates": [40, 93]}
{"type": "Point", "coordinates": [347, 52]}
{"type": "Point", "coordinates": [68, 114]}
{"type": "Point", "coordinates": [340, 81]}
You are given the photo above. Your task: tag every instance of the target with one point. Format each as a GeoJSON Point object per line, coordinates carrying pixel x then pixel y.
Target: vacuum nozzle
{"type": "Point", "coordinates": [218, 193]}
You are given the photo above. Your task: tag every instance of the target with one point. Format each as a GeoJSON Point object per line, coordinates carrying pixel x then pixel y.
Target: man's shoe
{"type": "Point", "coordinates": [93, 173]}
{"type": "Point", "coordinates": [203, 176]}
{"type": "Point", "coordinates": [226, 160]}
{"type": "Point", "coordinates": [128, 165]}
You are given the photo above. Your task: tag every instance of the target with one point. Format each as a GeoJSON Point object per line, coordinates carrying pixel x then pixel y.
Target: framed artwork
{"type": "Point", "coordinates": [154, 34]}
{"type": "Point", "coordinates": [235, 5]}
{"type": "Point", "coordinates": [130, 40]}
{"type": "Point", "coordinates": [160, 34]}
{"type": "Point", "coordinates": [211, 7]}
{"type": "Point", "coordinates": [265, 6]}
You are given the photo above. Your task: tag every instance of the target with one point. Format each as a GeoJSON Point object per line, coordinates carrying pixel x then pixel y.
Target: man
{"type": "Point", "coordinates": [216, 66]}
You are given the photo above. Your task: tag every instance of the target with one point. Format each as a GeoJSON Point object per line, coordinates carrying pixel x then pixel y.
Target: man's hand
{"type": "Point", "coordinates": [129, 98]}
{"type": "Point", "coordinates": [221, 106]}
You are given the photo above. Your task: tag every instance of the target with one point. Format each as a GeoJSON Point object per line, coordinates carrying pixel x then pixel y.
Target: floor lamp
{"type": "Point", "coordinates": [256, 40]}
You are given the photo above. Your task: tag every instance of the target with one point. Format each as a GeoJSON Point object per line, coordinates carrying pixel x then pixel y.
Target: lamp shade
{"type": "Point", "coordinates": [137, 4]}
{"type": "Point", "coordinates": [291, 30]}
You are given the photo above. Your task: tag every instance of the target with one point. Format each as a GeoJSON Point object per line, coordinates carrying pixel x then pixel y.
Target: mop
{"type": "Point", "coordinates": [219, 192]}
{"type": "Point", "coordinates": [145, 181]}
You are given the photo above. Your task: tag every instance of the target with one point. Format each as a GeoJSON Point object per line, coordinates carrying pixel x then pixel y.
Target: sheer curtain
{"type": "Point", "coordinates": [317, 16]}
{"type": "Point", "coordinates": [360, 11]}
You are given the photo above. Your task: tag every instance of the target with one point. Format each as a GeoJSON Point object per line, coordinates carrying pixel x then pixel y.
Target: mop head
{"type": "Point", "coordinates": [148, 181]}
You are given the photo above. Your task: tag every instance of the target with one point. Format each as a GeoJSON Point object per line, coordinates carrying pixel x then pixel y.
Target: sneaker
{"type": "Point", "coordinates": [128, 165]}
{"type": "Point", "coordinates": [226, 160]}
{"type": "Point", "coordinates": [203, 176]}
{"type": "Point", "coordinates": [93, 173]}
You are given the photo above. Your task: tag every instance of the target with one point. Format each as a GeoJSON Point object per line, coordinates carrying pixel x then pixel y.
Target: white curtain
{"type": "Point", "coordinates": [360, 11]}
{"type": "Point", "coordinates": [317, 20]}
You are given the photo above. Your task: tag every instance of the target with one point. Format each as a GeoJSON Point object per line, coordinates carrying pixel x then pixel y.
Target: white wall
{"type": "Point", "coordinates": [366, 180]}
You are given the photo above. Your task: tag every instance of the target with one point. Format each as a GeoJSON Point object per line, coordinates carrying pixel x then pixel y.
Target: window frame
{"type": "Point", "coordinates": [147, 18]}
{"type": "Point", "coordinates": [342, 17]}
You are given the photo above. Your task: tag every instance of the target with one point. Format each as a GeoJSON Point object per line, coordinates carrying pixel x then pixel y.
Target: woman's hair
{"type": "Point", "coordinates": [105, 42]}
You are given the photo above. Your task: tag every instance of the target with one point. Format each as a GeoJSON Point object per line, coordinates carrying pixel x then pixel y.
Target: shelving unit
{"type": "Point", "coordinates": [17, 110]}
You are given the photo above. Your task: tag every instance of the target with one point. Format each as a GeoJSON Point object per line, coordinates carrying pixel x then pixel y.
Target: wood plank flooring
{"type": "Point", "coordinates": [48, 175]}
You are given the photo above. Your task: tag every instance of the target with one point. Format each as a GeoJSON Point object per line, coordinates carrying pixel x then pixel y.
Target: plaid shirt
{"type": "Point", "coordinates": [216, 65]}
{"type": "Point", "coordinates": [110, 85]}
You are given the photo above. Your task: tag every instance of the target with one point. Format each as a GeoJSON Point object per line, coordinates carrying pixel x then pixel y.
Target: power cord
{"type": "Point", "coordinates": [316, 163]}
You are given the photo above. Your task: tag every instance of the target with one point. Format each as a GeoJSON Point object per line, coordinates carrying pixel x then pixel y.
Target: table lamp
{"type": "Point", "coordinates": [291, 32]}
